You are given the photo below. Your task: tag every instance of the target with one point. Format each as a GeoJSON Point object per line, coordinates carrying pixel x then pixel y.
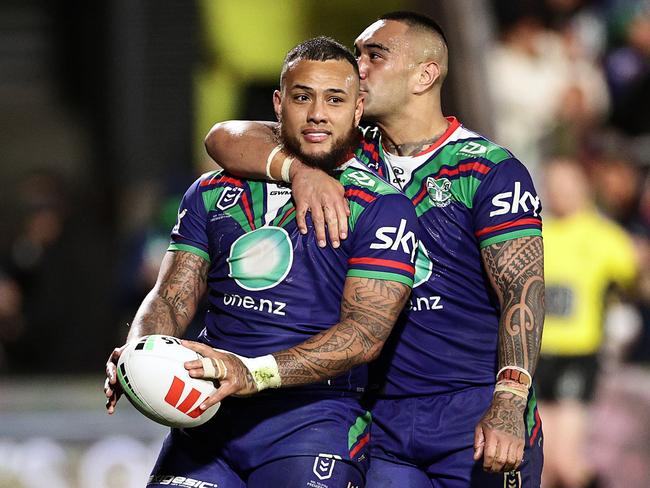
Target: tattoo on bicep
{"type": "Point", "coordinates": [369, 309]}
{"type": "Point", "coordinates": [171, 305]}
{"type": "Point", "coordinates": [516, 270]}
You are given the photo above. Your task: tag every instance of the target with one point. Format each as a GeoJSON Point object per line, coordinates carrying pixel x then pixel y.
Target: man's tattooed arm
{"type": "Point", "coordinates": [516, 270]}
{"type": "Point", "coordinates": [171, 304]}
{"type": "Point", "coordinates": [369, 309]}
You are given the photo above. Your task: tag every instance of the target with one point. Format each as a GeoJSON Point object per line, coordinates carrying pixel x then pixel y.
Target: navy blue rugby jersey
{"type": "Point", "coordinates": [269, 286]}
{"type": "Point", "coordinates": [468, 193]}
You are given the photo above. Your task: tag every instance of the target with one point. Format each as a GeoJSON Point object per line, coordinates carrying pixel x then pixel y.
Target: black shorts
{"type": "Point", "coordinates": [566, 377]}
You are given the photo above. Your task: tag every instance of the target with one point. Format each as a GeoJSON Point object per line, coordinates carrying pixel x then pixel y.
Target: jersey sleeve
{"type": "Point", "coordinates": [506, 205]}
{"type": "Point", "coordinates": [385, 241]}
{"type": "Point", "coordinates": [189, 234]}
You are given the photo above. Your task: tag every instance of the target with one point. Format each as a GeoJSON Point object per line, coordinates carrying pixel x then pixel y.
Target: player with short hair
{"type": "Point", "coordinates": [456, 408]}
{"type": "Point", "coordinates": [270, 288]}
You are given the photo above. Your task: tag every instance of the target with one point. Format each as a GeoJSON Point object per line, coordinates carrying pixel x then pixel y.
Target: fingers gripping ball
{"type": "Point", "coordinates": [151, 373]}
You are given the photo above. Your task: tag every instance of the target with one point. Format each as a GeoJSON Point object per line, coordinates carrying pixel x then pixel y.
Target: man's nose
{"type": "Point", "coordinates": [363, 67]}
{"type": "Point", "coordinates": [317, 112]}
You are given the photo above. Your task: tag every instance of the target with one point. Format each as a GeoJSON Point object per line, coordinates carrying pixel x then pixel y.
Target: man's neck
{"type": "Point", "coordinates": [412, 131]}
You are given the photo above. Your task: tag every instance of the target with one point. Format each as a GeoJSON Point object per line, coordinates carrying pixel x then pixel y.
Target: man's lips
{"type": "Point", "coordinates": [315, 135]}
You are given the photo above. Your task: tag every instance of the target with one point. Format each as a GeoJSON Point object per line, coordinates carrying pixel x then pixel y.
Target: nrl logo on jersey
{"type": "Point", "coordinates": [229, 197]}
{"type": "Point", "coordinates": [439, 191]}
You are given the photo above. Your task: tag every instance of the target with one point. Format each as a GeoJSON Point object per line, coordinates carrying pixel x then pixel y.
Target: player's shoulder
{"type": "Point", "coordinates": [206, 181]}
{"type": "Point", "coordinates": [356, 176]}
{"type": "Point", "coordinates": [467, 144]}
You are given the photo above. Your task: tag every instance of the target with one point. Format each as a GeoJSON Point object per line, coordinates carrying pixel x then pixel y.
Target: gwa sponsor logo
{"type": "Point", "coordinates": [407, 241]}
{"type": "Point", "coordinates": [514, 201]}
{"type": "Point", "coordinates": [250, 303]}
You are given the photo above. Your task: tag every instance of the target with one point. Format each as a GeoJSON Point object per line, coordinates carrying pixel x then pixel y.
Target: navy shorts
{"type": "Point", "coordinates": [429, 442]}
{"type": "Point", "coordinates": [283, 439]}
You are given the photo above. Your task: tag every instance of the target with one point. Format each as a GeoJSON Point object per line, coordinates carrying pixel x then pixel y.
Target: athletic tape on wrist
{"type": "Point", "coordinates": [269, 160]}
{"type": "Point", "coordinates": [511, 389]}
{"type": "Point", "coordinates": [264, 370]}
{"type": "Point", "coordinates": [286, 166]}
{"type": "Point", "coordinates": [515, 373]}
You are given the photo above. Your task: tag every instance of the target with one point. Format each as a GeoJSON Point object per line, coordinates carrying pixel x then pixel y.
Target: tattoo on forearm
{"type": "Point", "coordinates": [369, 309]}
{"type": "Point", "coordinates": [516, 269]}
{"type": "Point", "coordinates": [170, 306]}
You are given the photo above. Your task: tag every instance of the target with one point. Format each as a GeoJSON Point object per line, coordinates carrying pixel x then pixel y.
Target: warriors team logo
{"type": "Point", "coordinates": [261, 259]}
{"type": "Point", "coordinates": [439, 191]}
{"type": "Point", "coordinates": [423, 266]}
{"type": "Point", "coordinates": [229, 197]}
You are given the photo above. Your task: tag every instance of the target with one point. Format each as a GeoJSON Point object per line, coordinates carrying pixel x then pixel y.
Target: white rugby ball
{"type": "Point", "coordinates": [151, 373]}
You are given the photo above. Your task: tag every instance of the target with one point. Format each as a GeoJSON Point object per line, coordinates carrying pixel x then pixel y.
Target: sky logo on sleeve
{"type": "Point", "coordinates": [515, 202]}
{"type": "Point", "coordinates": [395, 238]}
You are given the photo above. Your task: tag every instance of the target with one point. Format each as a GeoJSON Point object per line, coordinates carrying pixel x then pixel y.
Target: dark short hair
{"type": "Point", "coordinates": [320, 48]}
{"type": "Point", "coordinates": [413, 19]}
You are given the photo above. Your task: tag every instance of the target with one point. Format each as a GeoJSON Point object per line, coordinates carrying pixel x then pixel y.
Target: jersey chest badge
{"type": "Point", "coordinates": [229, 197]}
{"type": "Point", "coordinates": [439, 191]}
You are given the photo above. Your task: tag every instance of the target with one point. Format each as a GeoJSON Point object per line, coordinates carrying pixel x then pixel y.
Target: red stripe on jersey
{"type": "Point", "coordinates": [419, 197]}
{"type": "Point", "coordinates": [453, 125]}
{"type": "Point", "coordinates": [287, 215]}
{"type": "Point", "coordinates": [389, 263]}
{"type": "Point", "coordinates": [507, 225]}
{"type": "Point", "coordinates": [360, 194]}
{"type": "Point", "coordinates": [221, 179]}
{"type": "Point", "coordinates": [247, 210]}
{"type": "Point", "coordinates": [471, 166]}
{"type": "Point", "coordinates": [362, 442]}
{"type": "Point", "coordinates": [538, 424]}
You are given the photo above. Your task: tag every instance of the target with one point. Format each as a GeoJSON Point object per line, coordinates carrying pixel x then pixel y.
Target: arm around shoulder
{"type": "Point", "coordinates": [242, 146]}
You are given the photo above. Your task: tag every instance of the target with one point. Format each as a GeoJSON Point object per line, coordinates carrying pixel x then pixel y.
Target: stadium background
{"type": "Point", "coordinates": [103, 109]}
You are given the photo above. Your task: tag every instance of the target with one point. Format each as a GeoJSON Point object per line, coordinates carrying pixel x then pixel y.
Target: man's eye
{"type": "Point", "coordinates": [301, 98]}
{"type": "Point", "coordinates": [336, 100]}
{"type": "Point", "coordinates": [374, 56]}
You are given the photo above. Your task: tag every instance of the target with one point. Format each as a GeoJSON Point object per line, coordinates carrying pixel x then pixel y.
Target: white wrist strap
{"type": "Point", "coordinates": [286, 166]}
{"type": "Point", "coordinates": [264, 370]}
{"type": "Point", "coordinates": [269, 160]}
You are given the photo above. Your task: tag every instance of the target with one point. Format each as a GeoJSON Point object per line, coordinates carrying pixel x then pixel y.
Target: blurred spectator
{"type": "Point", "coordinates": [59, 258]}
{"type": "Point", "coordinates": [619, 445]}
{"type": "Point", "coordinates": [140, 257]}
{"type": "Point", "coordinates": [628, 73]}
{"type": "Point", "coordinates": [11, 319]}
{"type": "Point", "coordinates": [585, 254]}
{"type": "Point", "coordinates": [547, 92]}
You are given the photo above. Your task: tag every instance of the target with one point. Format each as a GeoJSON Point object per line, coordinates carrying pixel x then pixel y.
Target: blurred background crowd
{"type": "Point", "coordinates": [103, 110]}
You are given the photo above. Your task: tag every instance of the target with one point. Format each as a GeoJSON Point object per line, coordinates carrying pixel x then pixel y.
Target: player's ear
{"type": "Point", "coordinates": [428, 74]}
{"type": "Point", "coordinates": [358, 110]}
{"type": "Point", "coordinates": [277, 104]}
